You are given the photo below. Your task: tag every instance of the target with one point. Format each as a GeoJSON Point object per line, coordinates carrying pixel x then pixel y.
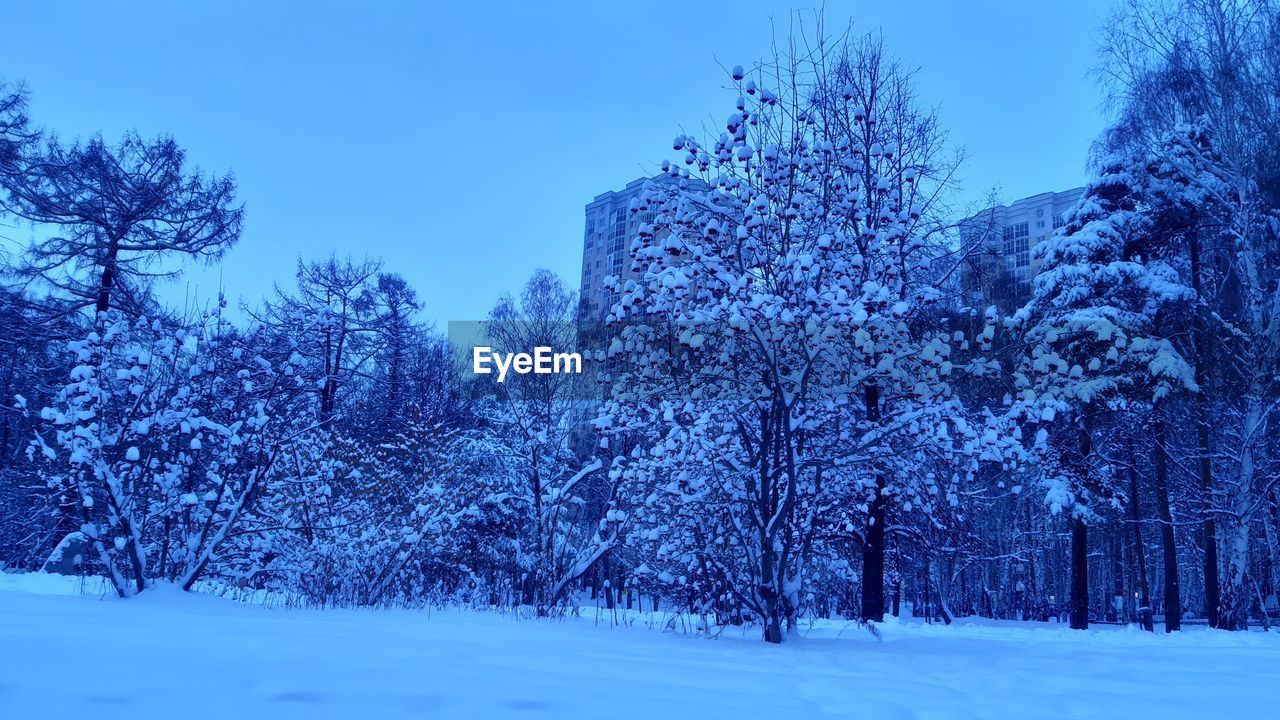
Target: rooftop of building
{"type": "Point", "coordinates": [626, 190]}
{"type": "Point", "coordinates": [1070, 194]}
{"type": "Point", "coordinates": [1038, 198]}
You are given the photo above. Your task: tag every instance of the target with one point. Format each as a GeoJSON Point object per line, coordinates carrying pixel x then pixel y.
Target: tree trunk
{"type": "Point", "coordinates": [1234, 612]}
{"type": "Point", "coordinates": [772, 601]}
{"type": "Point", "coordinates": [897, 596]}
{"type": "Point", "coordinates": [1212, 587]}
{"type": "Point", "coordinates": [1168, 544]}
{"type": "Point", "coordinates": [1079, 573]}
{"type": "Point", "coordinates": [607, 569]}
{"type": "Point", "coordinates": [1080, 540]}
{"type": "Point", "coordinates": [873, 558]}
{"type": "Point", "coordinates": [1269, 527]}
{"type": "Point", "coordinates": [1212, 597]}
{"type": "Point", "coordinates": [873, 548]}
{"type": "Point", "coordinates": [526, 588]}
{"type": "Point", "coordinates": [107, 282]}
{"type": "Point", "coordinates": [928, 611]}
{"type": "Point", "coordinates": [942, 577]}
{"type": "Point", "coordinates": [1139, 551]}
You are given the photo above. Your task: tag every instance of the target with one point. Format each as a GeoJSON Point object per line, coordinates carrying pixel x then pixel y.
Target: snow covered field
{"type": "Point", "coordinates": [167, 654]}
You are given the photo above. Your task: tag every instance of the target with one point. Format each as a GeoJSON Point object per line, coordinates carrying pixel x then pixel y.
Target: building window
{"type": "Point", "coordinates": [1015, 238]}
{"type": "Point", "coordinates": [619, 230]}
{"type": "Point", "coordinates": [1039, 224]}
{"type": "Point", "coordinates": [1059, 220]}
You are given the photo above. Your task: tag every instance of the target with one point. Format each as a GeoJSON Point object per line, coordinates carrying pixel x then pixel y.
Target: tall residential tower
{"type": "Point", "coordinates": [606, 245]}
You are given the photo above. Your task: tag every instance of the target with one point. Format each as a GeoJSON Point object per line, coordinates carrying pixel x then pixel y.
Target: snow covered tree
{"type": "Point", "coordinates": [1213, 65]}
{"type": "Point", "coordinates": [31, 370]}
{"type": "Point", "coordinates": [784, 344]}
{"type": "Point", "coordinates": [1171, 63]}
{"type": "Point", "coordinates": [1093, 343]}
{"type": "Point", "coordinates": [1228, 244]}
{"type": "Point", "coordinates": [539, 421]}
{"type": "Point", "coordinates": [429, 516]}
{"type": "Point", "coordinates": [162, 442]}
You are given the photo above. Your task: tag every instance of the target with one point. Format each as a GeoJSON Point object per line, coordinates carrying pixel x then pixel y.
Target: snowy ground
{"type": "Point", "coordinates": [167, 654]}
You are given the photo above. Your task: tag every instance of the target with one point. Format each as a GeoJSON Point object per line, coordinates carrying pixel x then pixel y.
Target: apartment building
{"type": "Point", "coordinates": [606, 245]}
{"type": "Point", "coordinates": [999, 272]}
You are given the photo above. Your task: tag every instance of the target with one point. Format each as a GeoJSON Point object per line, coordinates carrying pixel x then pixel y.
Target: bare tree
{"type": "Point", "coordinates": [118, 214]}
{"type": "Point", "coordinates": [396, 302]}
{"type": "Point", "coordinates": [15, 131]}
{"type": "Point", "coordinates": [330, 321]}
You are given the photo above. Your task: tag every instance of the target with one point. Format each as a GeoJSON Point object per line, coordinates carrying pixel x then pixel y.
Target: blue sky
{"type": "Point", "coordinates": [460, 142]}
